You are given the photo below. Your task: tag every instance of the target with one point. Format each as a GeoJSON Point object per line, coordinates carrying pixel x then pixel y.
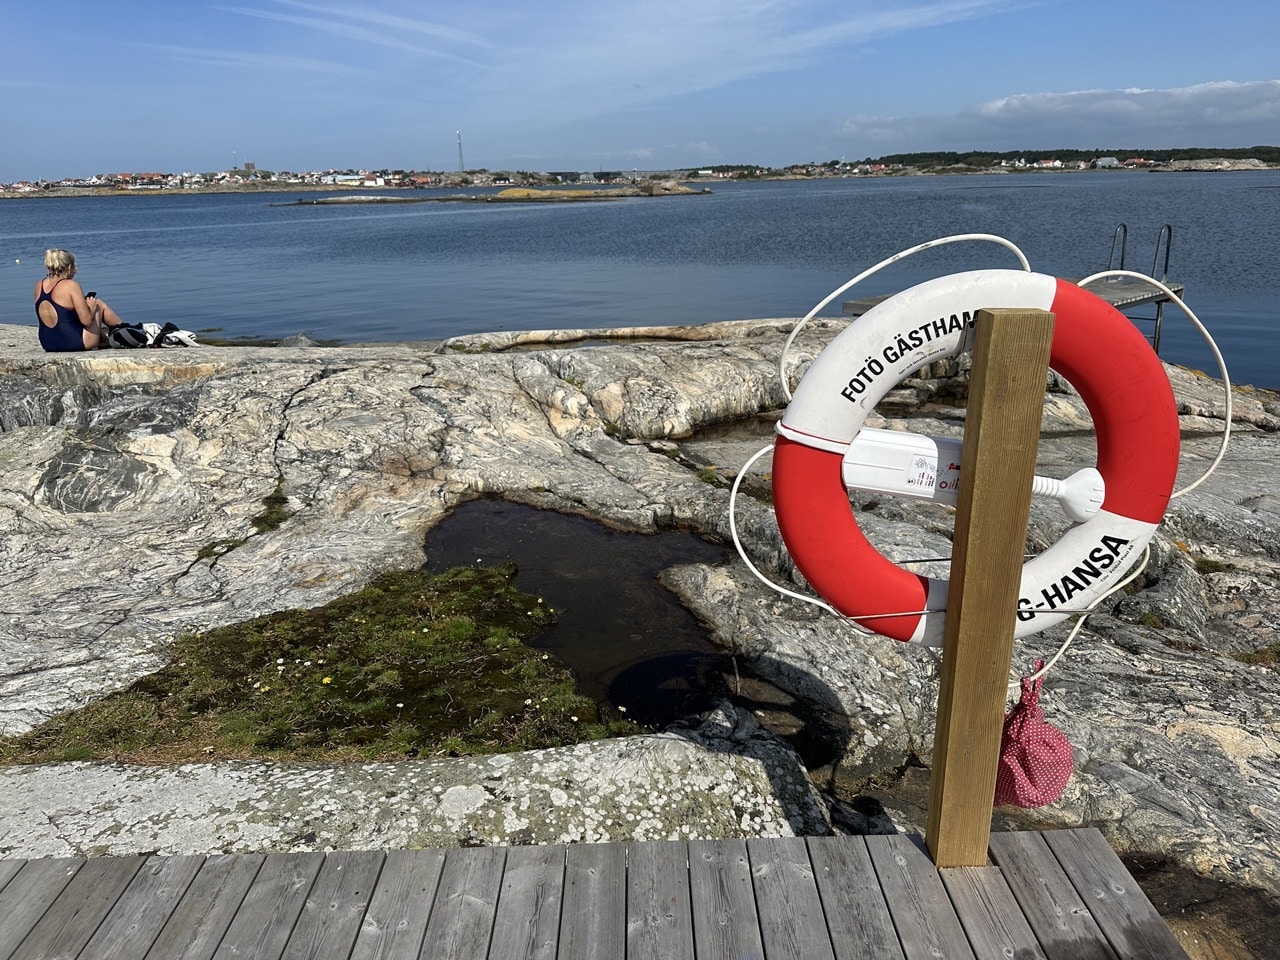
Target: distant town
{"type": "Point", "coordinates": [251, 177]}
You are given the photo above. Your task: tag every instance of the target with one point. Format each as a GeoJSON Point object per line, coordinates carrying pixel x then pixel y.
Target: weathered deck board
{"type": "Point", "coordinates": [335, 906]}
{"type": "Point", "coordinates": [857, 915]}
{"type": "Point", "coordinates": [8, 870]}
{"type": "Point", "coordinates": [927, 926]}
{"type": "Point", "coordinates": [1122, 910]}
{"type": "Point", "coordinates": [1057, 896]}
{"type": "Point", "coordinates": [792, 923]}
{"type": "Point", "coordinates": [1126, 292]}
{"type": "Point", "coordinates": [989, 914]}
{"type": "Point", "coordinates": [726, 925]}
{"type": "Point", "coordinates": [144, 908]}
{"type": "Point", "coordinates": [84, 903]}
{"type": "Point", "coordinates": [528, 921]}
{"type": "Point", "coordinates": [593, 923]}
{"type": "Point", "coordinates": [461, 920]}
{"type": "Point", "coordinates": [27, 897]}
{"type": "Point", "coordinates": [396, 921]}
{"type": "Point", "coordinates": [1123, 293]}
{"type": "Point", "coordinates": [267, 915]}
{"type": "Point", "coordinates": [659, 913]}
{"type": "Point", "coordinates": [1058, 916]}
{"type": "Point", "coordinates": [197, 926]}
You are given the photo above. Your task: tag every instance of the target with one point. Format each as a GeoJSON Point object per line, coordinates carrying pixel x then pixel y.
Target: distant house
{"type": "Point", "coordinates": [1107, 163]}
{"type": "Point", "coordinates": [147, 181]}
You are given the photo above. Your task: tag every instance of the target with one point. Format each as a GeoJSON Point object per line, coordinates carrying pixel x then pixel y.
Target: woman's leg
{"type": "Point", "coordinates": [104, 314]}
{"type": "Point", "coordinates": [95, 335]}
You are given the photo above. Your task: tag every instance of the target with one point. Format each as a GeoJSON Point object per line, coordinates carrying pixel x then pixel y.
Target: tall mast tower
{"type": "Point", "coordinates": [461, 168]}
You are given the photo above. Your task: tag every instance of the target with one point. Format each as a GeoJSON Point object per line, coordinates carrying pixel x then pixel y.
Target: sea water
{"type": "Point", "coordinates": [259, 265]}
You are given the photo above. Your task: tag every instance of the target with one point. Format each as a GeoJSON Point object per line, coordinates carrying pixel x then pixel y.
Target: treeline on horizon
{"type": "Point", "coordinates": [980, 158]}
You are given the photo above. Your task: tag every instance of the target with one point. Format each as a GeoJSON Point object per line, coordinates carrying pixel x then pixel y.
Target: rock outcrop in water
{"type": "Point", "coordinates": [132, 505]}
{"type": "Point", "coordinates": [1213, 165]}
{"type": "Point", "coordinates": [650, 188]}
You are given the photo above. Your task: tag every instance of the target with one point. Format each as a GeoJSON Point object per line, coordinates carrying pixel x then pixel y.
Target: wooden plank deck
{"type": "Point", "coordinates": [1061, 895]}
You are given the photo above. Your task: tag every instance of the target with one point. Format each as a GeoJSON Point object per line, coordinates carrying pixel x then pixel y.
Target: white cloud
{"type": "Point", "coordinates": [1224, 113]}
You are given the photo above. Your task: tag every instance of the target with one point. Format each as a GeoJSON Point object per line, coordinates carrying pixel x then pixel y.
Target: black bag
{"type": "Point", "coordinates": [128, 336]}
{"type": "Point", "coordinates": [132, 335]}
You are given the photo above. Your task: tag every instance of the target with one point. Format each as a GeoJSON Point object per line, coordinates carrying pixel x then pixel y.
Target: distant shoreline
{"type": "Point", "coordinates": [406, 194]}
{"type": "Point", "coordinates": [519, 195]}
{"type": "Point", "coordinates": [385, 194]}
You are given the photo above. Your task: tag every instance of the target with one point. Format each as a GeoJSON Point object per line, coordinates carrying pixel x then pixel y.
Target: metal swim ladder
{"type": "Point", "coordinates": [1163, 239]}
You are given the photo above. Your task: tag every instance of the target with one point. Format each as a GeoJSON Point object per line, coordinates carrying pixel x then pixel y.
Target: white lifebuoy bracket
{"type": "Point", "coordinates": [1095, 348]}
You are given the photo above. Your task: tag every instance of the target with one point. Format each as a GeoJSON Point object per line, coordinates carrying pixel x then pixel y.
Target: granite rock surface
{"type": "Point", "coordinates": [132, 507]}
{"type": "Point", "coordinates": [725, 777]}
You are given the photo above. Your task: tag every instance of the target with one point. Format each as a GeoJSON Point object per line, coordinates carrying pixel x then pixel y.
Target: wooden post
{"type": "Point", "coordinates": [1002, 426]}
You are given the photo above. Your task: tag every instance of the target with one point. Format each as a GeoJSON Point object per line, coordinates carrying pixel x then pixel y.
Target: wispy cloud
{"type": "Point", "coordinates": [241, 58]}
{"type": "Point", "coordinates": [366, 14]}
{"type": "Point", "coordinates": [585, 58]}
{"type": "Point", "coordinates": [593, 59]}
{"type": "Point", "coordinates": [368, 26]}
{"type": "Point", "coordinates": [866, 22]}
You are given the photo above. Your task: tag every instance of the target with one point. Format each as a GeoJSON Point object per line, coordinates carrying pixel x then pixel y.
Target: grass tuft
{"type": "Point", "coordinates": [1268, 657]}
{"type": "Point", "coordinates": [1206, 566]}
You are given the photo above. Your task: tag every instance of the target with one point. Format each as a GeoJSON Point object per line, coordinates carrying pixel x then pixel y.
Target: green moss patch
{"type": "Point", "coordinates": [274, 510]}
{"type": "Point", "coordinates": [1266, 657]}
{"type": "Point", "coordinates": [413, 665]}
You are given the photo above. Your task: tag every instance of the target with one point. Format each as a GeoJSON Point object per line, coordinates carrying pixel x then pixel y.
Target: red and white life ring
{"type": "Point", "coordinates": [1095, 347]}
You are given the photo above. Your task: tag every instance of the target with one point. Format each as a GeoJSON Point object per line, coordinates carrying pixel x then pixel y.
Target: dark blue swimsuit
{"type": "Point", "coordinates": [68, 335]}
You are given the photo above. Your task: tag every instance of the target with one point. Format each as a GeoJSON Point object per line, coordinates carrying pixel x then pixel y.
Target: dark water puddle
{"type": "Point", "coordinates": [629, 641]}
{"type": "Point", "coordinates": [760, 426]}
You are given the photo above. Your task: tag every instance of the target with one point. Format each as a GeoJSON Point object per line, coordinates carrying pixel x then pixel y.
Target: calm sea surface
{"type": "Point", "coordinates": [246, 265]}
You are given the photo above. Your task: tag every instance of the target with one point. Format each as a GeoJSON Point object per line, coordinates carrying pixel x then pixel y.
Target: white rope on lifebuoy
{"type": "Point", "coordinates": [1213, 348]}
{"type": "Point", "coordinates": [872, 271]}
{"type": "Point", "coordinates": [1095, 347]}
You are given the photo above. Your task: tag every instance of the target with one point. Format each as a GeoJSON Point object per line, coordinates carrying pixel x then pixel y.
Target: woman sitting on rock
{"type": "Point", "coordinates": [68, 320]}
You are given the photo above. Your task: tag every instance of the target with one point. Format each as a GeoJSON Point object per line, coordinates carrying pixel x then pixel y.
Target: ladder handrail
{"type": "Point", "coordinates": [1165, 238]}
{"type": "Point", "coordinates": [1121, 232]}
{"type": "Point", "coordinates": [1165, 234]}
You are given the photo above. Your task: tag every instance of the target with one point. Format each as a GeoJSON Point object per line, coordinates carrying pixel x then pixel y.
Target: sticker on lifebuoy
{"type": "Point", "coordinates": [1095, 348]}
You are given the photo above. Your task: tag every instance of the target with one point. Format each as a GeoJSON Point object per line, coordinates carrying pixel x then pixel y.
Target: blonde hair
{"type": "Point", "coordinates": [59, 263]}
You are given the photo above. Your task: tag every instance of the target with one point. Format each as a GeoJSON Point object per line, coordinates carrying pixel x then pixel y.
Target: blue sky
{"type": "Point", "coordinates": [139, 85]}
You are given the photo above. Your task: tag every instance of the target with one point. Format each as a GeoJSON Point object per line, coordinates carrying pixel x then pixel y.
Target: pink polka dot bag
{"type": "Point", "coordinates": [1035, 757]}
